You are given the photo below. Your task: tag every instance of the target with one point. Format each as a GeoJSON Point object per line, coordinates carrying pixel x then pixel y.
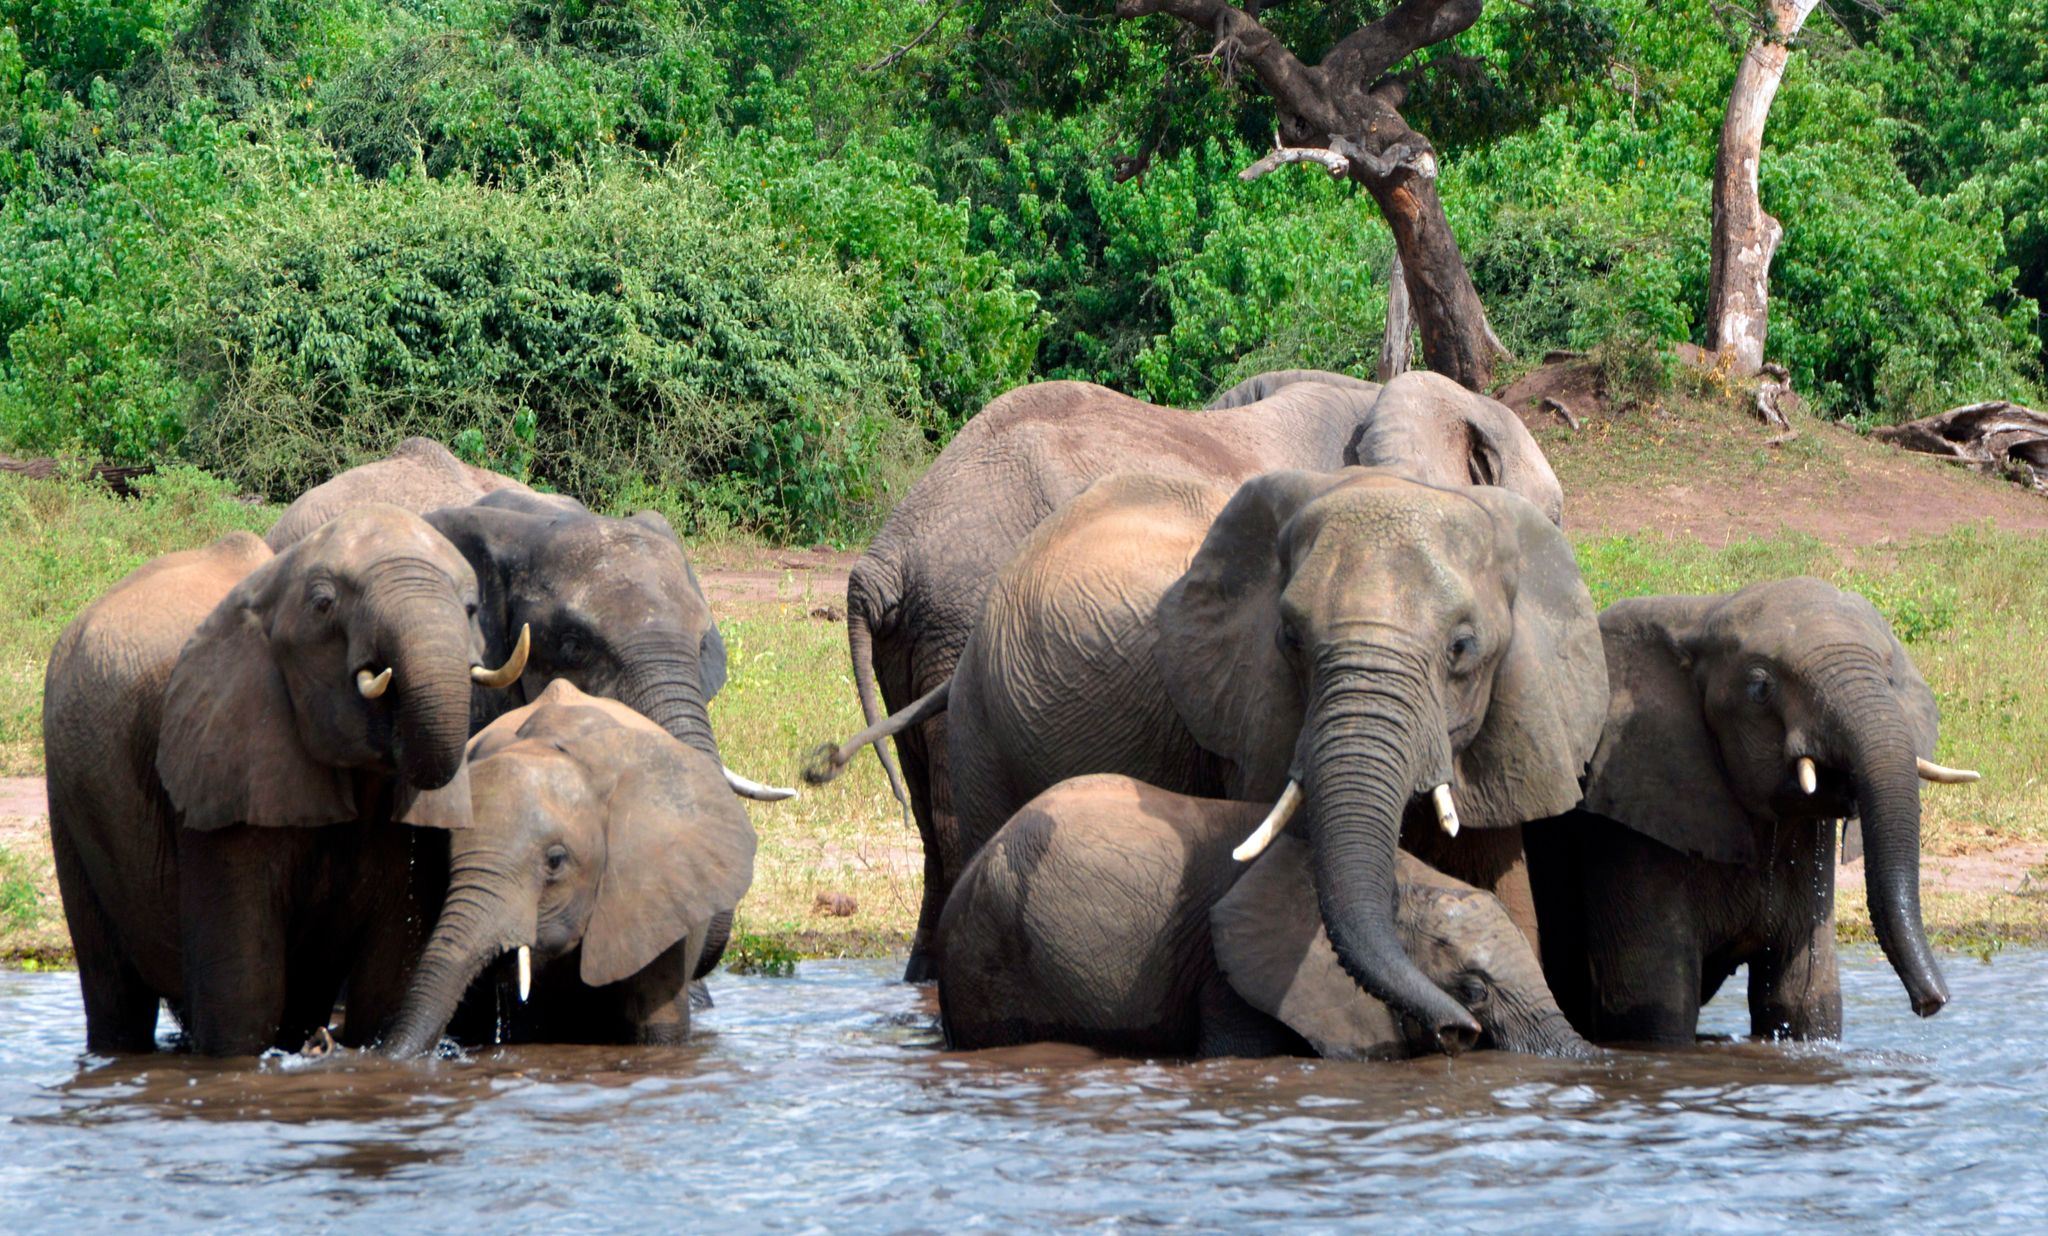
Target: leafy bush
{"type": "Point", "coordinates": [651, 334]}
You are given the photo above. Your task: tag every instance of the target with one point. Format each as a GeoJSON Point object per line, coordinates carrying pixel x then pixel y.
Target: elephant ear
{"type": "Point", "coordinates": [1658, 769]}
{"type": "Point", "coordinates": [1219, 650]}
{"type": "Point", "coordinates": [679, 851]}
{"type": "Point", "coordinates": [228, 750]}
{"type": "Point", "coordinates": [1549, 696]}
{"type": "Point", "coordinates": [1272, 950]}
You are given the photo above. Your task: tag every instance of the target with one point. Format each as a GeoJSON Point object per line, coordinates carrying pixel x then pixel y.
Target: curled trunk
{"type": "Point", "coordinates": [1360, 762]}
{"type": "Point", "coordinates": [479, 921]}
{"type": "Point", "coordinates": [666, 687]}
{"type": "Point", "coordinates": [425, 638]}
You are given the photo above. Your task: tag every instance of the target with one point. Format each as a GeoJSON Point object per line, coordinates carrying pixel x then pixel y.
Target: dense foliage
{"type": "Point", "coordinates": [754, 258]}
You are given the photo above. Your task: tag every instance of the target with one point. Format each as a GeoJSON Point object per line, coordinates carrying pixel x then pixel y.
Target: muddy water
{"type": "Point", "coordinates": [822, 1103]}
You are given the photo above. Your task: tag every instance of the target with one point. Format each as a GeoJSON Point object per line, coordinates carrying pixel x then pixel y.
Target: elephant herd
{"type": "Point", "coordinates": [1284, 726]}
{"type": "Point", "coordinates": [1289, 726]}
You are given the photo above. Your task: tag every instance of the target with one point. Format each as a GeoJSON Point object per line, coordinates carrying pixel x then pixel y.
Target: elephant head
{"type": "Point", "coordinates": [353, 651]}
{"type": "Point", "coordinates": [1788, 701]}
{"type": "Point", "coordinates": [596, 834]}
{"type": "Point", "coordinates": [613, 606]}
{"type": "Point", "coordinates": [1358, 639]}
{"type": "Point", "coordinates": [1273, 951]}
{"type": "Point", "coordinates": [1428, 427]}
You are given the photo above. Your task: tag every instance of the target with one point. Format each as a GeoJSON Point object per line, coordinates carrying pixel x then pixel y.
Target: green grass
{"type": "Point", "coordinates": [1972, 606]}
{"type": "Point", "coordinates": [62, 544]}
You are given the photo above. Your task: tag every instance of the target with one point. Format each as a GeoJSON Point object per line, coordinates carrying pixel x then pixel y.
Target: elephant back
{"type": "Point", "coordinates": [420, 475]}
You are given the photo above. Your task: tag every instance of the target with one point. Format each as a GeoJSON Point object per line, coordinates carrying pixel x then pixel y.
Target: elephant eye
{"type": "Point", "coordinates": [1464, 648]}
{"type": "Point", "coordinates": [1471, 990]}
{"type": "Point", "coordinates": [321, 596]}
{"type": "Point", "coordinates": [1759, 686]}
{"type": "Point", "coordinates": [1290, 637]}
{"type": "Point", "coordinates": [557, 858]}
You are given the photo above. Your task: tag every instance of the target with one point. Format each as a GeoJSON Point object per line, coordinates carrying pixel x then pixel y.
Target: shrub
{"type": "Point", "coordinates": [651, 333]}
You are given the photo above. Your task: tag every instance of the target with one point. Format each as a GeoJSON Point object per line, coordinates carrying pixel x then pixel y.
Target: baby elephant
{"type": "Point", "coordinates": [1740, 729]}
{"type": "Point", "coordinates": [605, 854]}
{"type": "Point", "coordinates": [1111, 914]}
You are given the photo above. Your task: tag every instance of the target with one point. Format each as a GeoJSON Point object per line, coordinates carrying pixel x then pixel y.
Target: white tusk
{"type": "Point", "coordinates": [508, 673]}
{"type": "Point", "coordinates": [1809, 777]}
{"type": "Point", "coordinates": [747, 787]}
{"type": "Point", "coordinates": [1276, 819]}
{"type": "Point", "coordinates": [1446, 810]}
{"type": "Point", "coordinates": [1931, 771]}
{"type": "Point", "coordinates": [373, 685]}
{"type": "Point", "coordinates": [525, 973]}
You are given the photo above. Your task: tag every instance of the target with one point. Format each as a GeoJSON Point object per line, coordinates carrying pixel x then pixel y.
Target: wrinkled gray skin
{"type": "Point", "coordinates": [1364, 634]}
{"type": "Point", "coordinates": [612, 851]}
{"type": "Point", "coordinates": [420, 475]}
{"type": "Point", "coordinates": [1265, 385]}
{"type": "Point", "coordinates": [915, 594]}
{"type": "Point", "coordinates": [612, 604]}
{"type": "Point", "coordinates": [1111, 914]}
{"type": "Point", "coordinates": [223, 799]}
{"type": "Point", "coordinates": [1696, 850]}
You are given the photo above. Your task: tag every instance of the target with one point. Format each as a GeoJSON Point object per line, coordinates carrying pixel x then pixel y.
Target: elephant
{"type": "Point", "coordinates": [1265, 385]}
{"type": "Point", "coordinates": [913, 597]}
{"type": "Point", "coordinates": [236, 742]}
{"type": "Point", "coordinates": [1740, 728]}
{"type": "Point", "coordinates": [420, 475]}
{"type": "Point", "coordinates": [1111, 913]}
{"type": "Point", "coordinates": [1343, 642]}
{"type": "Point", "coordinates": [613, 607]}
{"type": "Point", "coordinates": [605, 856]}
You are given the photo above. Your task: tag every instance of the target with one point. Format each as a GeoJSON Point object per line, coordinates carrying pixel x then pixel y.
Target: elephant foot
{"type": "Point", "coordinates": [921, 968]}
{"type": "Point", "coordinates": [700, 995]}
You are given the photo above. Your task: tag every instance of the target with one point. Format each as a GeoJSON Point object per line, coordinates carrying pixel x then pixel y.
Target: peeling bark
{"type": "Point", "coordinates": [1745, 237]}
{"type": "Point", "coordinates": [1396, 348]}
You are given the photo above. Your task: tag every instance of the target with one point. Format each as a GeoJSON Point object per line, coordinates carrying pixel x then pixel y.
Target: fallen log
{"type": "Point", "coordinates": [119, 477]}
{"type": "Point", "coordinates": [1996, 436]}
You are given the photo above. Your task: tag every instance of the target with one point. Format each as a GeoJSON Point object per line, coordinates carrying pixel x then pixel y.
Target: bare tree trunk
{"type": "Point", "coordinates": [1396, 346]}
{"type": "Point", "coordinates": [1745, 238]}
{"type": "Point", "coordinates": [1343, 114]}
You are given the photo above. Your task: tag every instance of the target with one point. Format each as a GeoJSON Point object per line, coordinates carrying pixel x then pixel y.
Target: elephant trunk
{"type": "Point", "coordinates": [1360, 766]}
{"type": "Point", "coordinates": [1879, 745]}
{"type": "Point", "coordinates": [425, 636]}
{"type": "Point", "coordinates": [480, 919]}
{"type": "Point", "coordinates": [667, 688]}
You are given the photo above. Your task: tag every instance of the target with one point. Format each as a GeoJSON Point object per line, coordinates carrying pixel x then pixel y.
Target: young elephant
{"type": "Point", "coordinates": [1112, 914]}
{"type": "Point", "coordinates": [232, 741]}
{"type": "Point", "coordinates": [1740, 729]}
{"type": "Point", "coordinates": [605, 851]}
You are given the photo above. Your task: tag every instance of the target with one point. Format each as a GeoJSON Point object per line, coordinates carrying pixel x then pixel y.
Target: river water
{"type": "Point", "coordinates": [822, 1103]}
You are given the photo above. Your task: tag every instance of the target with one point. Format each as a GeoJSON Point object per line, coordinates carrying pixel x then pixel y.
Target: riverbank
{"type": "Point", "coordinates": [1673, 494]}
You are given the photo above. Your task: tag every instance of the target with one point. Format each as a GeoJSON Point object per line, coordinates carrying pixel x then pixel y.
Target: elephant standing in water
{"type": "Point", "coordinates": [1741, 728]}
{"type": "Point", "coordinates": [916, 593]}
{"type": "Point", "coordinates": [1391, 656]}
{"type": "Point", "coordinates": [419, 476]}
{"type": "Point", "coordinates": [233, 740]}
{"type": "Point", "coordinates": [1112, 914]}
{"type": "Point", "coordinates": [607, 856]}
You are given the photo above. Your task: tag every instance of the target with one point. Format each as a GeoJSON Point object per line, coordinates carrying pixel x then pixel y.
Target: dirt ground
{"type": "Point", "coordinates": [1829, 482]}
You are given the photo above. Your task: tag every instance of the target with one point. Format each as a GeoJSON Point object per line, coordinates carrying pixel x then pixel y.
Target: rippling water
{"type": "Point", "coordinates": [821, 1102]}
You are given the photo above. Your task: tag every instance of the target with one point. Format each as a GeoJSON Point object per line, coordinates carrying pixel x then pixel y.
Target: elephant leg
{"type": "Point", "coordinates": [1646, 944]}
{"type": "Point", "coordinates": [394, 896]}
{"type": "Point", "coordinates": [232, 923]}
{"type": "Point", "coordinates": [921, 753]}
{"type": "Point", "coordinates": [1560, 872]}
{"type": "Point", "coordinates": [666, 1026]}
{"type": "Point", "coordinates": [1794, 989]}
{"type": "Point", "coordinates": [120, 1007]}
{"type": "Point", "coordinates": [1228, 1026]}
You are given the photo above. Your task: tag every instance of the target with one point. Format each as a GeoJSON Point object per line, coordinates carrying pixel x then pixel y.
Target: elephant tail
{"type": "Point", "coordinates": [828, 760]}
{"type": "Point", "coordinates": [861, 643]}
